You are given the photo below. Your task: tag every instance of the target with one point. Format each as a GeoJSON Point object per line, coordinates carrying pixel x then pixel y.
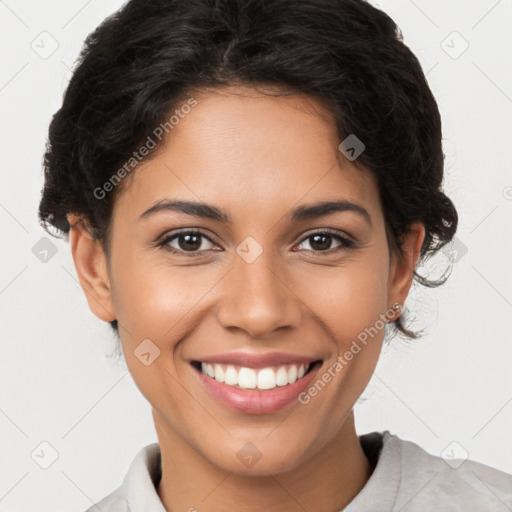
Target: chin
{"type": "Point", "coordinates": [249, 460]}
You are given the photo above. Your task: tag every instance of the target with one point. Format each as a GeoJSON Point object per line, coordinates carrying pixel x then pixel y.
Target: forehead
{"type": "Point", "coordinates": [244, 149]}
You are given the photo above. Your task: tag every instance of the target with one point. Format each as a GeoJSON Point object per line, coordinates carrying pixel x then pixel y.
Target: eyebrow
{"type": "Point", "coordinates": [303, 212]}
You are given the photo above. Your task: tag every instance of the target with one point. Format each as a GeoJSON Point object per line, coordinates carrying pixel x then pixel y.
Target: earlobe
{"type": "Point", "coordinates": [91, 266]}
{"type": "Point", "coordinates": [402, 267]}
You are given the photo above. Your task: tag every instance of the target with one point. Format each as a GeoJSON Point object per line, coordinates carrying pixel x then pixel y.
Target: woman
{"type": "Point", "coordinates": [249, 187]}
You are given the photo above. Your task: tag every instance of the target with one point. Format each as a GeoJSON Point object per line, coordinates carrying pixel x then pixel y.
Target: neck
{"type": "Point", "coordinates": [326, 482]}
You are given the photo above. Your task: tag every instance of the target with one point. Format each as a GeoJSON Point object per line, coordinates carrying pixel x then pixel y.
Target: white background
{"type": "Point", "coordinates": [59, 386]}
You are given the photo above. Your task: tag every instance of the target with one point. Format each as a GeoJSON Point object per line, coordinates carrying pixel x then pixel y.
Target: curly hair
{"type": "Point", "coordinates": [143, 60]}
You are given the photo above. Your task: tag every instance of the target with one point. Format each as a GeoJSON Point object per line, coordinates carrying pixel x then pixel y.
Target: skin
{"type": "Point", "coordinates": [258, 158]}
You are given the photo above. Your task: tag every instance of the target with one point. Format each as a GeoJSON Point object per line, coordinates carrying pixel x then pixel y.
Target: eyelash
{"type": "Point", "coordinates": [346, 242]}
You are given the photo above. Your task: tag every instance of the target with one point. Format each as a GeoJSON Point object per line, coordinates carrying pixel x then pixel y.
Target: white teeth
{"type": "Point", "coordinates": [249, 378]}
{"type": "Point", "coordinates": [266, 379]}
{"type": "Point", "coordinates": [219, 373]}
{"type": "Point", "coordinates": [292, 374]}
{"type": "Point", "coordinates": [282, 376]}
{"type": "Point", "coordinates": [231, 376]}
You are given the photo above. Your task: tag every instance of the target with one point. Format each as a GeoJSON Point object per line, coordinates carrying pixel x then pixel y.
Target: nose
{"type": "Point", "coordinates": [257, 298]}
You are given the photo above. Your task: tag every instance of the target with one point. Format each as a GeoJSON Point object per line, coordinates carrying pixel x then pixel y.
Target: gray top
{"type": "Point", "coordinates": [406, 478]}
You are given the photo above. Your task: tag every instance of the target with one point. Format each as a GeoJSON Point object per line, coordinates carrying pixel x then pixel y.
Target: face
{"type": "Point", "coordinates": [273, 285]}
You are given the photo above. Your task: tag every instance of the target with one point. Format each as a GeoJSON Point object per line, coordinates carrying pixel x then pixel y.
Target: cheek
{"type": "Point", "coordinates": [348, 298]}
{"type": "Point", "coordinates": [157, 299]}
{"type": "Point", "coordinates": [154, 305]}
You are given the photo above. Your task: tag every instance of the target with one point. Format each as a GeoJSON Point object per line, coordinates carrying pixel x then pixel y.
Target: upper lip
{"type": "Point", "coordinates": [248, 360]}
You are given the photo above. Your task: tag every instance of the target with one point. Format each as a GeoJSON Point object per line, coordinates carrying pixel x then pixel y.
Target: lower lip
{"type": "Point", "coordinates": [253, 401]}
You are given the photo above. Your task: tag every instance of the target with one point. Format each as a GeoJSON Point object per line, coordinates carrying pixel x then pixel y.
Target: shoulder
{"type": "Point", "coordinates": [138, 489]}
{"type": "Point", "coordinates": [429, 482]}
{"type": "Point", "coordinates": [114, 502]}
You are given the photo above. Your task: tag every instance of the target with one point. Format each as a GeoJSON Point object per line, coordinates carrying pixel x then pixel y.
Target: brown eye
{"type": "Point", "coordinates": [321, 241]}
{"type": "Point", "coordinates": [188, 243]}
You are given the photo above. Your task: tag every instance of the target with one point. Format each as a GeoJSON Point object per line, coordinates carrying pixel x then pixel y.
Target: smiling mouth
{"type": "Point", "coordinates": [263, 379]}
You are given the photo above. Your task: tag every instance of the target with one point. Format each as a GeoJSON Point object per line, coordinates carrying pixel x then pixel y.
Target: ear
{"type": "Point", "coordinates": [91, 266]}
{"type": "Point", "coordinates": [402, 267]}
